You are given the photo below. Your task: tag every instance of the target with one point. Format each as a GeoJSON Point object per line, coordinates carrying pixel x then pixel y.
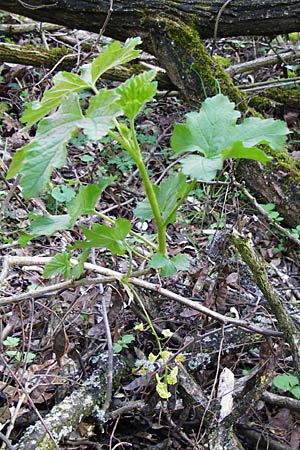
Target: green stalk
{"type": "Point", "coordinates": [133, 149]}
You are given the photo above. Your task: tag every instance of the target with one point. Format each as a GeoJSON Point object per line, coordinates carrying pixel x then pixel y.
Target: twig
{"type": "Point", "coordinates": [109, 385]}
{"type": "Point", "coordinates": [118, 276]}
{"type": "Point", "coordinates": [6, 442]}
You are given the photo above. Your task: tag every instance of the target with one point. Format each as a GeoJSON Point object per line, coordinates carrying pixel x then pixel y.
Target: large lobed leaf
{"type": "Point", "coordinates": [67, 82]}
{"type": "Point", "coordinates": [36, 160]}
{"type": "Point", "coordinates": [112, 237]}
{"type": "Point", "coordinates": [212, 135]}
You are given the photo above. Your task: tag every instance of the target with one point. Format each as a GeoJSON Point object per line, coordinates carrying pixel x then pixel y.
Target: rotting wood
{"type": "Point", "coordinates": [66, 416]}
{"type": "Point", "coordinates": [130, 17]}
{"type": "Point", "coordinates": [285, 322]}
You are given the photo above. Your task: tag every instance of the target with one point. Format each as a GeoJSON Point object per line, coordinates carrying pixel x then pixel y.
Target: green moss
{"type": "Point", "coordinates": [261, 104]}
{"type": "Point", "coordinates": [196, 61]}
{"type": "Point", "coordinates": [284, 160]}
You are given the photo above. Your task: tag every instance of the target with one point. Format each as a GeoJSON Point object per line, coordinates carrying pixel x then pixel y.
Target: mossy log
{"type": "Point", "coordinates": [135, 17]}
{"type": "Point", "coordinates": [66, 416]}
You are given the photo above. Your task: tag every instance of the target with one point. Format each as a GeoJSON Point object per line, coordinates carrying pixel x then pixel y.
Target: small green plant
{"type": "Point", "coordinates": [202, 143]}
{"type": "Point", "coordinates": [272, 213]}
{"type": "Point", "coordinates": [288, 382]}
{"type": "Point", "coordinates": [17, 356]}
{"type": "Point", "coordinates": [122, 343]}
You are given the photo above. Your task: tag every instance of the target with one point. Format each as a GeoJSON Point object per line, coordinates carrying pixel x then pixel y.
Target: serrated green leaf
{"type": "Point", "coordinates": [78, 269]}
{"type": "Point", "coordinates": [136, 92]}
{"type": "Point", "coordinates": [86, 199]}
{"type": "Point", "coordinates": [170, 194]}
{"type": "Point", "coordinates": [64, 84]}
{"type": "Point", "coordinates": [113, 55]}
{"type": "Point", "coordinates": [255, 131]}
{"type": "Point", "coordinates": [103, 108]}
{"type": "Point", "coordinates": [207, 131]}
{"type": "Point", "coordinates": [47, 224]}
{"type": "Point", "coordinates": [215, 136]}
{"type": "Point", "coordinates": [112, 238]}
{"type": "Point", "coordinates": [48, 148]}
{"type": "Point", "coordinates": [238, 150]}
{"type": "Point", "coordinates": [200, 168]}
{"type": "Point", "coordinates": [59, 265]}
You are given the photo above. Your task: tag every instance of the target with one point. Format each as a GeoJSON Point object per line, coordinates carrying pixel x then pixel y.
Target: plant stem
{"type": "Point", "coordinates": [133, 148]}
{"type": "Point", "coordinates": [161, 228]}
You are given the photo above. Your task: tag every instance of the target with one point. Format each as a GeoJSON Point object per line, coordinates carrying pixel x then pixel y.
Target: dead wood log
{"type": "Point", "coordinates": [66, 416]}
{"type": "Point", "coordinates": [135, 17]}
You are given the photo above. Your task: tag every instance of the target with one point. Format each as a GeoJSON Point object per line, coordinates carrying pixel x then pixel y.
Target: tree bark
{"type": "Point", "coordinates": [137, 17]}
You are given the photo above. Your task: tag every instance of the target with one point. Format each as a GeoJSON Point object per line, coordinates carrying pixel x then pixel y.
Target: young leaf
{"type": "Point", "coordinates": [86, 199]}
{"type": "Point", "coordinates": [112, 237]}
{"type": "Point", "coordinates": [136, 92]}
{"type": "Point", "coordinates": [64, 84]}
{"type": "Point", "coordinates": [162, 388]}
{"type": "Point", "coordinates": [171, 378]}
{"type": "Point", "coordinates": [99, 116]}
{"type": "Point", "coordinates": [59, 264]}
{"type": "Point", "coordinates": [113, 55]}
{"type": "Point", "coordinates": [37, 159]}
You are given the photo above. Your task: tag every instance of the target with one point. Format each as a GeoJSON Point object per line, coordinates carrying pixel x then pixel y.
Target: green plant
{"type": "Point", "coordinates": [203, 142]}
{"type": "Point", "coordinates": [272, 213]}
{"type": "Point", "coordinates": [17, 356]}
{"type": "Point", "coordinates": [288, 382]}
{"type": "Point", "coordinates": [122, 343]}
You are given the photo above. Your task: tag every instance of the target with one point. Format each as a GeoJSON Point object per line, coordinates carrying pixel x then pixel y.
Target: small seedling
{"type": "Point", "coordinates": [122, 343]}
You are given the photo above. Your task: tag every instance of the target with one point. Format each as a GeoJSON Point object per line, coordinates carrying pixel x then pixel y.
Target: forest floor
{"type": "Point", "coordinates": [49, 344]}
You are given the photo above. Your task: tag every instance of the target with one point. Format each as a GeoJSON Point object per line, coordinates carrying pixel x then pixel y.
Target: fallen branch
{"type": "Point", "coordinates": [118, 276]}
{"type": "Point", "coordinates": [65, 417]}
{"type": "Point", "coordinates": [256, 265]}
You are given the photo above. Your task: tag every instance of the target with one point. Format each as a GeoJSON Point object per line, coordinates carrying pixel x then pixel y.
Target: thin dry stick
{"type": "Point", "coordinates": [109, 385]}
{"type": "Point", "coordinates": [117, 276]}
{"type": "Point", "coordinates": [24, 390]}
